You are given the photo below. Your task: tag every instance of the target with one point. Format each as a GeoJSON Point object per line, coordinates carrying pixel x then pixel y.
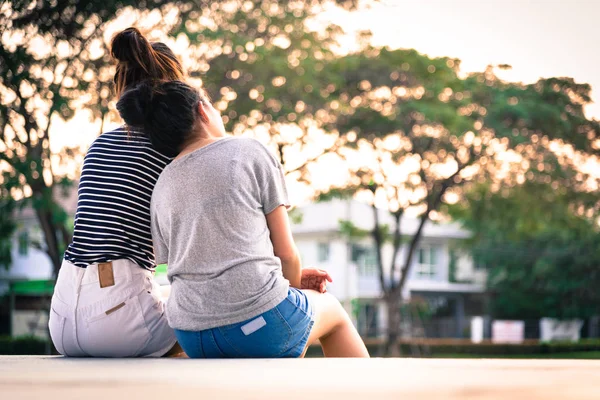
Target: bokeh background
{"type": "Point", "coordinates": [442, 155]}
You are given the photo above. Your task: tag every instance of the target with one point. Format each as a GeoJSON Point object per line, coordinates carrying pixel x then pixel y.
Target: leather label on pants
{"type": "Point", "coordinates": [112, 310]}
{"type": "Point", "coordinates": [106, 274]}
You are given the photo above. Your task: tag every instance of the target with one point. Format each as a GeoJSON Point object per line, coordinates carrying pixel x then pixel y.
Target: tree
{"type": "Point", "coordinates": [540, 248]}
{"type": "Point", "coordinates": [266, 71]}
{"type": "Point", "coordinates": [7, 229]}
{"type": "Point", "coordinates": [431, 133]}
{"type": "Point", "coordinates": [54, 61]}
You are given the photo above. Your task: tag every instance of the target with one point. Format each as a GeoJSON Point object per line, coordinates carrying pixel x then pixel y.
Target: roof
{"type": "Point", "coordinates": [444, 287]}
{"type": "Point", "coordinates": [319, 218]}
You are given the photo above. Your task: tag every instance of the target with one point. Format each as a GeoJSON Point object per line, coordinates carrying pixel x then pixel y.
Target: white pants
{"type": "Point", "coordinates": [126, 319]}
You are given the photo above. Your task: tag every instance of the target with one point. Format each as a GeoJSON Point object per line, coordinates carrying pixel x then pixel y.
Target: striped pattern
{"type": "Point", "coordinates": [113, 208]}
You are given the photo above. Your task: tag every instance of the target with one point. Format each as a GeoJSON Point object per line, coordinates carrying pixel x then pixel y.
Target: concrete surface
{"type": "Point", "coordinates": [49, 378]}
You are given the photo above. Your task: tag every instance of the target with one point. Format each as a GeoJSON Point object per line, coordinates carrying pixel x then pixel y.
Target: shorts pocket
{"type": "Point", "coordinates": [270, 340]}
{"type": "Point", "coordinates": [56, 323]}
{"type": "Point", "coordinates": [120, 331]}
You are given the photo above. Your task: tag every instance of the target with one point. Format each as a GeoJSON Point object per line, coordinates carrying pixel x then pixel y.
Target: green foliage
{"type": "Point", "coordinates": [426, 134]}
{"type": "Point", "coordinates": [53, 61]}
{"type": "Point", "coordinates": [295, 216]}
{"type": "Point", "coordinates": [256, 57]}
{"type": "Point", "coordinates": [8, 206]}
{"type": "Point", "coordinates": [336, 193]}
{"type": "Point", "coordinates": [541, 255]}
{"type": "Point", "coordinates": [552, 275]}
{"type": "Point", "coordinates": [265, 70]}
{"type": "Point", "coordinates": [23, 345]}
{"type": "Point", "coordinates": [431, 134]}
{"type": "Point", "coordinates": [7, 229]}
{"type": "Point", "coordinates": [584, 349]}
{"type": "Point", "coordinates": [429, 131]}
{"type": "Point", "coordinates": [351, 231]}
{"type": "Point", "coordinates": [507, 350]}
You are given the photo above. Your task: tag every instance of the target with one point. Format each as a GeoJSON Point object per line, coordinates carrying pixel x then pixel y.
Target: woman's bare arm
{"type": "Point", "coordinates": [284, 246]}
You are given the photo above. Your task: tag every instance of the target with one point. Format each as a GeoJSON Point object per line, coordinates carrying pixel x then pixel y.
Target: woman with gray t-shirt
{"type": "Point", "coordinates": [219, 221]}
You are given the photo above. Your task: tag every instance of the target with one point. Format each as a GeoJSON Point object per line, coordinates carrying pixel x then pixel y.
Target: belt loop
{"type": "Point", "coordinates": [128, 266]}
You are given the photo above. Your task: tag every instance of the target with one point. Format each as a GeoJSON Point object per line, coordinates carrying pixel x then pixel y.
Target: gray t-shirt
{"type": "Point", "coordinates": [208, 224]}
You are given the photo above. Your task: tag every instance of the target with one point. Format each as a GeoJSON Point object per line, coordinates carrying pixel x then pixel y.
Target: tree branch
{"type": "Point", "coordinates": [396, 245]}
{"type": "Point", "coordinates": [432, 205]}
{"type": "Point", "coordinates": [29, 124]}
{"type": "Point", "coordinates": [333, 148]}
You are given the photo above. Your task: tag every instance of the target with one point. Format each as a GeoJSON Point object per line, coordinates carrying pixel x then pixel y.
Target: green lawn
{"type": "Point", "coordinates": [580, 355]}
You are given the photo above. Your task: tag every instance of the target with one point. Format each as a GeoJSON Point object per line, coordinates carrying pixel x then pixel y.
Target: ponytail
{"type": "Point", "coordinates": [139, 60]}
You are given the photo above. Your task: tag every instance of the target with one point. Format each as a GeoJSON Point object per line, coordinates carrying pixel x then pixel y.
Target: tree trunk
{"type": "Point", "coordinates": [409, 256]}
{"type": "Point", "coordinates": [397, 242]}
{"type": "Point", "coordinates": [376, 234]}
{"type": "Point", "coordinates": [50, 237]}
{"type": "Point", "coordinates": [391, 345]}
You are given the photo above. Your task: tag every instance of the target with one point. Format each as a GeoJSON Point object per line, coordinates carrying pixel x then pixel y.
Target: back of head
{"type": "Point", "coordinates": [139, 60]}
{"type": "Point", "coordinates": [165, 111]}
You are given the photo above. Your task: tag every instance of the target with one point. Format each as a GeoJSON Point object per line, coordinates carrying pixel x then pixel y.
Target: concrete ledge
{"type": "Point", "coordinates": [32, 377]}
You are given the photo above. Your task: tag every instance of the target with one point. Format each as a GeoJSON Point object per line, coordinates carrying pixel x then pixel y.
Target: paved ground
{"type": "Point", "coordinates": [57, 378]}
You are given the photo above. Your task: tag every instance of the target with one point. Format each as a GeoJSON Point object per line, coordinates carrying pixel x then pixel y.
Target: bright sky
{"type": "Point", "coordinates": [538, 38]}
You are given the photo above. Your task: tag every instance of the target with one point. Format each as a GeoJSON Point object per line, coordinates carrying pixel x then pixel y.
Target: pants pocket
{"type": "Point", "coordinates": [271, 339]}
{"type": "Point", "coordinates": [56, 324]}
{"type": "Point", "coordinates": [120, 331]}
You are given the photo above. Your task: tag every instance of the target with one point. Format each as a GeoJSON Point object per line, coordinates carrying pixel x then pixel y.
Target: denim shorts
{"type": "Point", "coordinates": [280, 332]}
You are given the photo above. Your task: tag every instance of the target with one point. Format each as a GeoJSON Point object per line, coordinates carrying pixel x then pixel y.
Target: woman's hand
{"type": "Point", "coordinates": [315, 279]}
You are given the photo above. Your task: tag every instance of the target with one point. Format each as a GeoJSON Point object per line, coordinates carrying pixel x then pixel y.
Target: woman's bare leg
{"type": "Point", "coordinates": [333, 328]}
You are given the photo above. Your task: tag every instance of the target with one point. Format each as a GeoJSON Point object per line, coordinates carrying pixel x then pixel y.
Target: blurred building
{"type": "Point", "coordinates": [27, 285]}
{"type": "Point", "coordinates": [442, 277]}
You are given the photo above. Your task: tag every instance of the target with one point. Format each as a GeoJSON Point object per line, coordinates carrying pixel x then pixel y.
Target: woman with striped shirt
{"type": "Point", "coordinates": [106, 303]}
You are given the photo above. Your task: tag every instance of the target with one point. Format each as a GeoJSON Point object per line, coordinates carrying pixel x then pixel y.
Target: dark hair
{"type": "Point", "coordinates": [139, 60]}
{"type": "Point", "coordinates": [165, 111]}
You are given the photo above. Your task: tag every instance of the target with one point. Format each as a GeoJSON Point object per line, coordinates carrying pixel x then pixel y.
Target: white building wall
{"type": "Point", "coordinates": [466, 271]}
{"type": "Point", "coordinates": [344, 285]}
{"type": "Point", "coordinates": [33, 265]}
{"type": "Point", "coordinates": [321, 223]}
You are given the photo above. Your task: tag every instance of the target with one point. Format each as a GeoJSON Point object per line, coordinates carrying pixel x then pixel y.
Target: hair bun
{"type": "Point", "coordinates": [135, 105]}
{"type": "Point", "coordinates": [129, 46]}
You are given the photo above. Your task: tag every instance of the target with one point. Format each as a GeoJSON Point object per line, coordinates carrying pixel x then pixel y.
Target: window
{"type": "Point", "coordinates": [427, 262]}
{"type": "Point", "coordinates": [365, 259]}
{"type": "Point", "coordinates": [357, 252]}
{"type": "Point", "coordinates": [323, 252]}
{"type": "Point", "coordinates": [23, 243]}
{"type": "Point", "coordinates": [367, 266]}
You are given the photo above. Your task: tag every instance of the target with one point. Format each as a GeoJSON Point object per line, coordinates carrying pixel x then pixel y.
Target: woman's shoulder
{"type": "Point", "coordinates": [119, 137]}
{"type": "Point", "coordinates": [124, 135]}
{"type": "Point", "coordinates": [254, 149]}
{"type": "Point", "coordinates": [127, 140]}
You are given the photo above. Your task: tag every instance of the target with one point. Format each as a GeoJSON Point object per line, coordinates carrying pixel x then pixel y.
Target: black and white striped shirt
{"type": "Point", "coordinates": [113, 209]}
